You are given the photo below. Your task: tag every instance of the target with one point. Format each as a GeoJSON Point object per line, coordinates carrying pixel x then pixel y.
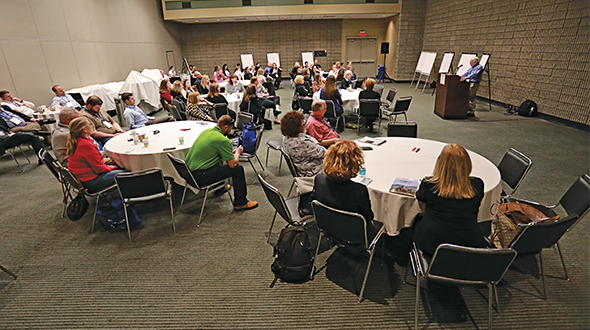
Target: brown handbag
{"type": "Point", "coordinates": [508, 217]}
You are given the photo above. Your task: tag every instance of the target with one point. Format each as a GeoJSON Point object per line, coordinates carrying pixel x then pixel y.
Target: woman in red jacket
{"type": "Point", "coordinates": [84, 159]}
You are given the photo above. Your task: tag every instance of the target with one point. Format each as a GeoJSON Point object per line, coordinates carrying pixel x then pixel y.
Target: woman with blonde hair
{"type": "Point", "coordinates": [199, 108]}
{"type": "Point", "coordinates": [452, 200]}
{"type": "Point", "coordinates": [342, 162]}
{"type": "Point", "coordinates": [84, 159]}
{"type": "Point", "coordinates": [203, 87]}
{"type": "Point", "coordinates": [213, 96]}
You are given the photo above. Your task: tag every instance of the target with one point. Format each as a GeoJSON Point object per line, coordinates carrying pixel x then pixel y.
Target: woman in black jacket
{"type": "Point", "coordinates": [253, 104]}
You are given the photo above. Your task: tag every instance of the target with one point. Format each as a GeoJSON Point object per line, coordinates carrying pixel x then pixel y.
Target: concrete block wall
{"type": "Point", "coordinates": [410, 38]}
{"type": "Point", "coordinates": [539, 49]}
{"type": "Point", "coordinates": [211, 44]}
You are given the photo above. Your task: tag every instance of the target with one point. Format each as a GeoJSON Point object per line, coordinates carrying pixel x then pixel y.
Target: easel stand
{"type": "Point", "coordinates": [418, 82]}
{"type": "Point", "coordinates": [385, 77]}
{"type": "Point", "coordinates": [487, 70]}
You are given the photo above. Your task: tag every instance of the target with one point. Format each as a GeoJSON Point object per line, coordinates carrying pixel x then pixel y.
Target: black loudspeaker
{"type": "Point", "coordinates": [385, 48]}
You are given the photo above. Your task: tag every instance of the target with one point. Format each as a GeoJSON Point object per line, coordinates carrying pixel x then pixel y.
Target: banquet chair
{"type": "Point", "coordinates": [461, 266]}
{"type": "Point", "coordinates": [331, 113]}
{"type": "Point", "coordinates": [274, 145]}
{"type": "Point", "coordinates": [344, 228]}
{"type": "Point", "coordinates": [10, 151]}
{"type": "Point", "coordinates": [379, 89]}
{"type": "Point", "coordinates": [536, 236]}
{"type": "Point", "coordinates": [220, 110]}
{"type": "Point", "coordinates": [186, 174]}
{"type": "Point", "coordinates": [74, 183]}
{"type": "Point", "coordinates": [513, 167]}
{"type": "Point", "coordinates": [292, 169]}
{"type": "Point", "coordinates": [286, 208]}
{"type": "Point", "coordinates": [305, 104]}
{"type": "Point", "coordinates": [248, 156]}
{"type": "Point", "coordinates": [368, 108]}
{"type": "Point", "coordinates": [143, 186]}
{"type": "Point", "coordinates": [359, 83]}
{"type": "Point", "coordinates": [386, 106]}
{"type": "Point", "coordinates": [54, 167]}
{"type": "Point", "coordinates": [175, 112]}
{"type": "Point", "coordinates": [401, 107]}
{"type": "Point", "coordinates": [402, 129]}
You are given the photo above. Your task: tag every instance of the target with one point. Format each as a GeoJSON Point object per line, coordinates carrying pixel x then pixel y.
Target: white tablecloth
{"type": "Point", "coordinates": [233, 100]}
{"type": "Point", "coordinates": [134, 157]}
{"type": "Point", "coordinates": [107, 93]}
{"type": "Point", "coordinates": [395, 158]}
{"type": "Point", "coordinates": [350, 99]}
{"type": "Point", "coordinates": [48, 114]}
{"type": "Point", "coordinates": [244, 83]}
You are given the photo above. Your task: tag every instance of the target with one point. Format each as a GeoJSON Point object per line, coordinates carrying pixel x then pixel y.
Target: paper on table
{"type": "Point", "coordinates": [442, 78]}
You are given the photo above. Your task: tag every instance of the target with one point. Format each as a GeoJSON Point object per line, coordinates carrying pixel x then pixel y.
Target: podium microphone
{"type": "Point", "coordinates": [459, 66]}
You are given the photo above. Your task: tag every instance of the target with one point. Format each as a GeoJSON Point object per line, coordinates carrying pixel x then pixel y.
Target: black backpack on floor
{"type": "Point", "coordinates": [294, 257]}
{"type": "Point", "coordinates": [528, 108]}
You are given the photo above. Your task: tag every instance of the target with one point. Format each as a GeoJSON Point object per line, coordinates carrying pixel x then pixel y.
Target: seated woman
{"type": "Point", "coordinates": [177, 89]}
{"type": "Point", "coordinates": [254, 104]}
{"type": "Point", "coordinates": [203, 87]}
{"type": "Point", "coordinates": [307, 154]}
{"type": "Point", "coordinates": [342, 162]}
{"type": "Point", "coordinates": [330, 92]}
{"type": "Point", "coordinates": [214, 96]}
{"type": "Point", "coordinates": [225, 70]}
{"type": "Point", "coordinates": [300, 88]}
{"type": "Point", "coordinates": [248, 73]}
{"type": "Point", "coordinates": [199, 108]}
{"type": "Point", "coordinates": [452, 201]}
{"type": "Point", "coordinates": [218, 76]}
{"type": "Point", "coordinates": [347, 81]}
{"type": "Point", "coordinates": [318, 82]}
{"type": "Point", "coordinates": [306, 78]}
{"type": "Point", "coordinates": [340, 75]}
{"type": "Point", "coordinates": [272, 101]}
{"type": "Point", "coordinates": [186, 87]}
{"type": "Point", "coordinates": [165, 90]}
{"type": "Point", "coordinates": [369, 93]}
{"type": "Point", "coordinates": [233, 86]}
{"type": "Point", "coordinates": [84, 159]}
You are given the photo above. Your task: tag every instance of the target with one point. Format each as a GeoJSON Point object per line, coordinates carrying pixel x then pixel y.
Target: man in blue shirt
{"type": "Point", "coordinates": [62, 99]}
{"type": "Point", "coordinates": [135, 117]}
{"type": "Point", "coordinates": [473, 77]}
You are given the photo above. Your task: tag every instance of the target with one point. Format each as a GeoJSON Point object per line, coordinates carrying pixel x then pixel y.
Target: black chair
{"type": "Point", "coordinates": [245, 156]}
{"type": "Point", "coordinates": [402, 129]}
{"type": "Point", "coordinates": [462, 266]}
{"type": "Point", "coordinates": [54, 167]}
{"type": "Point", "coordinates": [379, 89]}
{"type": "Point", "coordinates": [386, 106]}
{"type": "Point", "coordinates": [401, 107]}
{"type": "Point", "coordinates": [186, 174]}
{"type": "Point", "coordinates": [331, 113]}
{"type": "Point", "coordinates": [305, 104]}
{"type": "Point", "coordinates": [274, 145]}
{"type": "Point", "coordinates": [10, 151]}
{"type": "Point", "coordinates": [368, 108]}
{"type": "Point", "coordinates": [74, 183]}
{"type": "Point", "coordinates": [536, 236]}
{"type": "Point", "coordinates": [344, 228]}
{"type": "Point", "coordinates": [286, 208]}
{"type": "Point", "coordinates": [143, 186]}
{"type": "Point", "coordinates": [220, 110]}
{"type": "Point", "coordinates": [292, 169]}
{"type": "Point", "coordinates": [513, 168]}
{"type": "Point", "coordinates": [359, 83]}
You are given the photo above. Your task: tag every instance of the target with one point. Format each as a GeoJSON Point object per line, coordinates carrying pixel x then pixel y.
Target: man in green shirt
{"type": "Point", "coordinates": [208, 152]}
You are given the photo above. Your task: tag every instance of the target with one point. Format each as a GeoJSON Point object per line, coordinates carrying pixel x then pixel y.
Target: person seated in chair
{"type": "Point", "coordinates": [199, 108]}
{"type": "Point", "coordinates": [342, 162]}
{"type": "Point", "coordinates": [305, 151]}
{"type": "Point", "coordinates": [369, 93]}
{"type": "Point", "coordinates": [318, 128]}
{"type": "Point", "coordinates": [16, 104]}
{"type": "Point", "coordinates": [233, 86]}
{"type": "Point", "coordinates": [104, 126]}
{"type": "Point", "coordinates": [17, 121]}
{"type": "Point", "coordinates": [452, 200]}
{"type": "Point", "coordinates": [204, 159]}
{"type": "Point", "coordinates": [59, 137]}
{"type": "Point", "coordinates": [10, 139]}
{"type": "Point", "coordinates": [135, 117]}
{"type": "Point", "coordinates": [62, 99]}
{"type": "Point", "coordinates": [213, 96]}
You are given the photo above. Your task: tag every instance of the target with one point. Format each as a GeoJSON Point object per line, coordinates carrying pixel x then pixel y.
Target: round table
{"type": "Point", "coordinates": [134, 157]}
{"type": "Point", "coordinates": [395, 158]}
{"type": "Point", "coordinates": [48, 114]}
{"type": "Point", "coordinates": [350, 98]}
{"type": "Point", "coordinates": [233, 100]}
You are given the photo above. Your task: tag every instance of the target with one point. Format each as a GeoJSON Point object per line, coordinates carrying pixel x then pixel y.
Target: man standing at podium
{"type": "Point", "coordinates": [473, 77]}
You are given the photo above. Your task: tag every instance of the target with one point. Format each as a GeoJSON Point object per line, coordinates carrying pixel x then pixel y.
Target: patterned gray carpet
{"type": "Point", "coordinates": [217, 276]}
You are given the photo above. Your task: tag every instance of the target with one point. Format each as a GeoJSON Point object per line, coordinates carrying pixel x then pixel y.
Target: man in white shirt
{"type": "Point", "coordinates": [135, 117]}
{"type": "Point", "coordinates": [62, 99]}
{"type": "Point", "coordinates": [24, 107]}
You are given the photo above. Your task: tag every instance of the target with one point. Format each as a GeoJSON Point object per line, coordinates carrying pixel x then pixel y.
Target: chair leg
{"type": "Point", "coordinates": [23, 152]}
{"type": "Point", "coordinates": [496, 296]}
{"type": "Point", "coordinates": [182, 201]}
{"type": "Point", "coordinates": [405, 116]}
{"type": "Point", "coordinates": [292, 185]}
{"type": "Point", "coordinates": [543, 274]}
{"type": "Point", "coordinates": [280, 163]}
{"type": "Point", "coordinates": [252, 164]}
{"type": "Point", "coordinates": [95, 211]}
{"type": "Point", "coordinates": [203, 207]}
{"type": "Point", "coordinates": [16, 161]}
{"type": "Point", "coordinates": [490, 306]}
{"type": "Point", "coordinates": [8, 272]}
{"type": "Point", "coordinates": [271, 225]}
{"type": "Point", "coordinates": [366, 274]}
{"type": "Point", "coordinates": [259, 162]}
{"type": "Point", "coordinates": [127, 222]}
{"type": "Point", "coordinates": [267, 151]}
{"type": "Point", "coordinates": [315, 257]}
{"type": "Point", "coordinates": [567, 278]}
{"type": "Point", "coordinates": [172, 214]}
{"type": "Point", "coordinates": [417, 301]}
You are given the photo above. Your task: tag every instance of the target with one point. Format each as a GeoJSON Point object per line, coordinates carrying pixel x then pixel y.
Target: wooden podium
{"type": "Point", "coordinates": [452, 97]}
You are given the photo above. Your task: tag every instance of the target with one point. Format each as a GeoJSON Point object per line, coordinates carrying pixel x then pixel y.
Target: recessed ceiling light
{"type": "Point", "coordinates": [218, 20]}
{"type": "Point", "coordinates": [196, 21]}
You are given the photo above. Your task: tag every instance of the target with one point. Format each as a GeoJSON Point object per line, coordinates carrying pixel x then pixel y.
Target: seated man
{"type": "Point", "coordinates": [59, 137]}
{"type": "Point", "coordinates": [62, 99]}
{"type": "Point", "coordinates": [210, 149]}
{"type": "Point", "coordinates": [17, 121]}
{"type": "Point", "coordinates": [105, 127]}
{"type": "Point", "coordinates": [318, 128]}
{"type": "Point", "coordinates": [15, 104]}
{"type": "Point", "coordinates": [135, 117]}
{"type": "Point", "coordinates": [10, 139]}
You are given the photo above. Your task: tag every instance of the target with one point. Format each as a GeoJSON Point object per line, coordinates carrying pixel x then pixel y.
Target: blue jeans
{"type": "Point", "coordinates": [102, 181]}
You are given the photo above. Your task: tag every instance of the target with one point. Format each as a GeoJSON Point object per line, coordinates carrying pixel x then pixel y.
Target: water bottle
{"type": "Point", "coordinates": [362, 172]}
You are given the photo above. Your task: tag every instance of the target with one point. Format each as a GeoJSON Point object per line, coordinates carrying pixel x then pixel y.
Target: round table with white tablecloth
{"type": "Point", "coordinates": [244, 83]}
{"type": "Point", "coordinates": [414, 159]}
{"type": "Point", "coordinates": [350, 98]}
{"type": "Point", "coordinates": [135, 157]}
{"type": "Point", "coordinates": [49, 114]}
{"type": "Point", "coordinates": [233, 100]}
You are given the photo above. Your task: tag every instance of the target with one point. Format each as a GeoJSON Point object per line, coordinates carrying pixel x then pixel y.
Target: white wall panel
{"type": "Point", "coordinates": [88, 63]}
{"type": "Point", "coordinates": [17, 20]}
{"type": "Point", "coordinates": [49, 20]}
{"type": "Point", "coordinates": [78, 20]}
{"type": "Point", "coordinates": [61, 63]}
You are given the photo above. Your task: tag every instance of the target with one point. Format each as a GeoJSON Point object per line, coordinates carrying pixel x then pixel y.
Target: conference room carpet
{"type": "Point", "coordinates": [217, 276]}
